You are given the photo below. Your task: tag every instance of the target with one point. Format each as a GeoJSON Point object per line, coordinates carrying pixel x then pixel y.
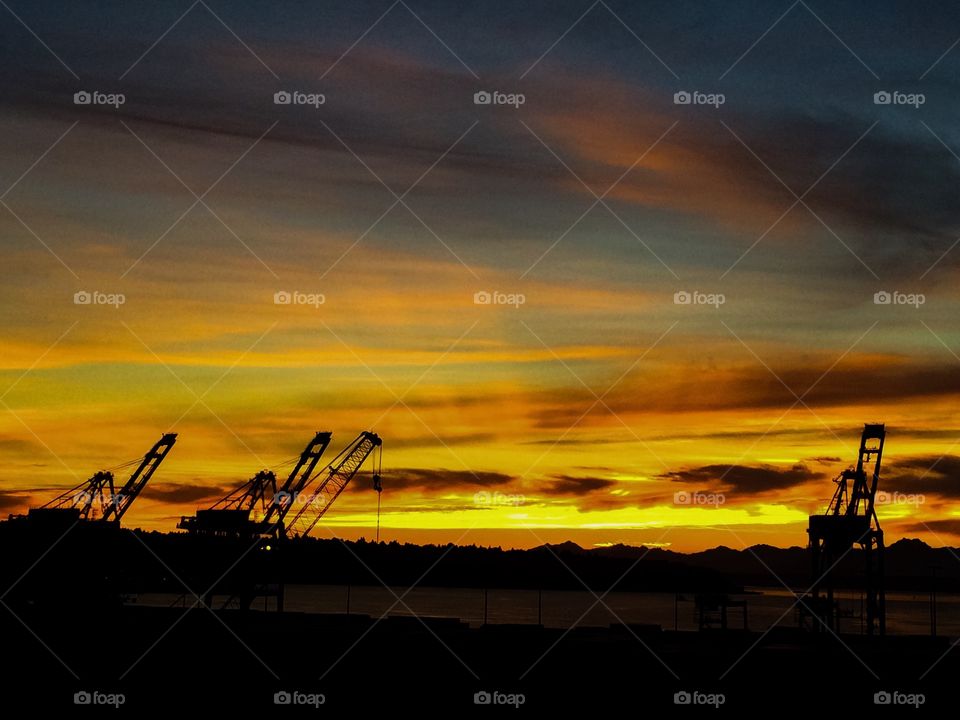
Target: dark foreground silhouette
{"type": "Point", "coordinates": [67, 634]}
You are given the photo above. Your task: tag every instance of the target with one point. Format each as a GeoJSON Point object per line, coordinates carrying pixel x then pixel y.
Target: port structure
{"type": "Point", "coordinates": [339, 474]}
{"type": "Point", "coordinates": [98, 499]}
{"type": "Point", "coordinates": [258, 507]}
{"type": "Point", "coordinates": [849, 523]}
{"type": "Point", "coordinates": [242, 536]}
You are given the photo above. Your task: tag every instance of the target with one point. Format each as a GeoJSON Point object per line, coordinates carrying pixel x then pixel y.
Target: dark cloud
{"type": "Point", "coordinates": [570, 485]}
{"type": "Point", "coordinates": [816, 434]}
{"type": "Point", "coordinates": [826, 460]}
{"type": "Point", "coordinates": [12, 443]}
{"type": "Point", "coordinates": [926, 474]}
{"type": "Point", "coordinates": [896, 184]}
{"type": "Point", "coordinates": [947, 527]}
{"type": "Point", "coordinates": [856, 382]}
{"type": "Point", "coordinates": [891, 182]}
{"type": "Point", "coordinates": [745, 479]}
{"type": "Point", "coordinates": [938, 464]}
{"type": "Point", "coordinates": [10, 499]}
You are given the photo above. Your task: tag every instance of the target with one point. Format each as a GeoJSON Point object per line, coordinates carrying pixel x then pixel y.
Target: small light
{"type": "Point", "coordinates": [267, 548]}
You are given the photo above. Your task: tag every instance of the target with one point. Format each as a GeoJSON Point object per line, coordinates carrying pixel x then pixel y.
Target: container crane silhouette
{"type": "Point", "coordinates": [851, 521]}
{"type": "Point", "coordinates": [97, 499]}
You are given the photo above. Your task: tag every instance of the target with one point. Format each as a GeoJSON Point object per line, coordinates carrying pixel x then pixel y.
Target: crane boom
{"type": "Point", "coordinates": [298, 479]}
{"type": "Point", "coordinates": [856, 491]}
{"type": "Point", "coordinates": [339, 474]}
{"type": "Point", "coordinates": [140, 477]}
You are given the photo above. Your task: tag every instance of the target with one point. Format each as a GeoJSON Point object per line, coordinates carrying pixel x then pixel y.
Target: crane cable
{"type": "Point", "coordinates": [378, 485]}
{"type": "Point", "coordinates": [127, 464]}
{"type": "Point", "coordinates": [378, 517]}
{"type": "Point", "coordinates": [86, 483]}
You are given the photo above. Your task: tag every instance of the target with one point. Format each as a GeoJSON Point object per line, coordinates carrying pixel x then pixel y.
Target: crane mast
{"type": "Point", "coordinates": [299, 478]}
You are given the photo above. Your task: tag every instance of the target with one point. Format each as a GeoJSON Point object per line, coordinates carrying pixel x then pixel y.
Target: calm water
{"type": "Point", "coordinates": [907, 613]}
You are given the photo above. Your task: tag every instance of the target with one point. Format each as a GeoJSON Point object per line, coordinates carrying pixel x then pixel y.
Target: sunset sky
{"type": "Point", "coordinates": [578, 414]}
